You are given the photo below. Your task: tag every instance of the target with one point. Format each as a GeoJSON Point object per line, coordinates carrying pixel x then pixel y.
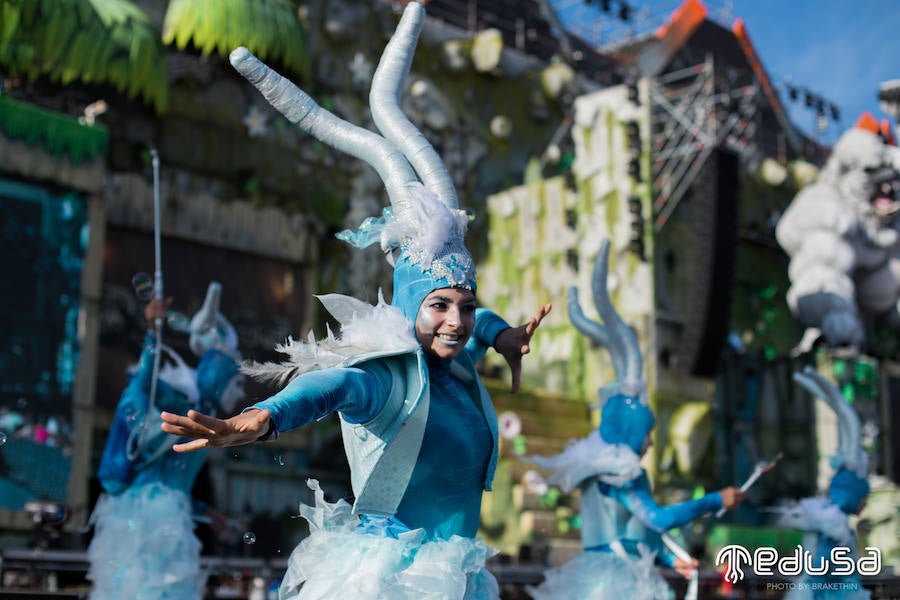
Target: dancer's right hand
{"type": "Point", "coordinates": [210, 432]}
{"type": "Point", "coordinates": [732, 497]}
{"type": "Point", "coordinates": [156, 309]}
{"type": "Point", "coordinates": [686, 568]}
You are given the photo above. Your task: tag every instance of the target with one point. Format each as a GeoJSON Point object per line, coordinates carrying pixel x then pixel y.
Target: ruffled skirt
{"type": "Point", "coordinates": [144, 546]}
{"type": "Point", "coordinates": [346, 560]}
{"type": "Point", "coordinates": [603, 576]}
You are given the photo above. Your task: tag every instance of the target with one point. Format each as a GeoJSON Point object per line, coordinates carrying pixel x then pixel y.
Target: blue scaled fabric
{"type": "Point", "coordinates": [411, 531]}
{"type": "Point", "coordinates": [143, 544]}
{"type": "Point", "coordinates": [622, 525]}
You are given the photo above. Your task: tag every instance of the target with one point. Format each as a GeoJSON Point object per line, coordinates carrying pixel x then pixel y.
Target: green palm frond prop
{"type": "Point", "coordinates": [269, 28]}
{"type": "Point", "coordinates": [93, 41]}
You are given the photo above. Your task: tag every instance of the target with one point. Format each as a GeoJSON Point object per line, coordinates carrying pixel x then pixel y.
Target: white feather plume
{"type": "Point", "coordinates": [816, 514]}
{"type": "Point", "coordinates": [615, 464]}
{"type": "Point", "coordinates": [365, 329]}
{"type": "Point", "coordinates": [423, 224]}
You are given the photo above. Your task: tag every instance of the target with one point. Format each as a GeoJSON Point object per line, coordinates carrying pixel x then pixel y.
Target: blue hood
{"type": "Point", "coordinates": [625, 420]}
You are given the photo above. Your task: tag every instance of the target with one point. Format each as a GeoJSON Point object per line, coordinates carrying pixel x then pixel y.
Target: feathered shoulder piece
{"type": "Point", "coordinates": [365, 330]}
{"type": "Point", "coordinates": [615, 464]}
{"type": "Point", "coordinates": [816, 514]}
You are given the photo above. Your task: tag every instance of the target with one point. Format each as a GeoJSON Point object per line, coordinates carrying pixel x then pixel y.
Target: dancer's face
{"type": "Point", "coordinates": [445, 321]}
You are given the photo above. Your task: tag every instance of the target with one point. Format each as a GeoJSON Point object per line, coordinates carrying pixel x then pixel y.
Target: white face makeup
{"type": "Point", "coordinates": [445, 321]}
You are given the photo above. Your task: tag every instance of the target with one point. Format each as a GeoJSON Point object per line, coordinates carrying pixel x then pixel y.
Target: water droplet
{"type": "Point", "coordinates": [178, 322]}
{"type": "Point", "coordinates": [143, 286]}
{"type": "Point", "coordinates": [280, 460]}
{"type": "Point", "coordinates": [2, 438]}
{"type": "Point", "coordinates": [249, 537]}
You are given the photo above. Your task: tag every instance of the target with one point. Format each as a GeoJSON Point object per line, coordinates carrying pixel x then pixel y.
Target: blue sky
{"type": "Point", "coordinates": [839, 49]}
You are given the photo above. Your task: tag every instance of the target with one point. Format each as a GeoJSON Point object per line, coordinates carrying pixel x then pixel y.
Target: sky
{"type": "Point", "coordinates": [841, 50]}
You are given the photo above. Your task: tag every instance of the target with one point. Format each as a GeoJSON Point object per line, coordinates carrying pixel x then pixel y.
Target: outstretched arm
{"type": "Point", "coordinates": [637, 499]}
{"type": "Point", "coordinates": [358, 393]}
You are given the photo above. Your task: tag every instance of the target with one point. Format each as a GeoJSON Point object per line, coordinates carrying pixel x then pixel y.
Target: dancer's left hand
{"type": "Point", "coordinates": [686, 568]}
{"type": "Point", "coordinates": [513, 344]}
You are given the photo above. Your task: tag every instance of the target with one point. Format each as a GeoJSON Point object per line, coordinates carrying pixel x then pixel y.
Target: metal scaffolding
{"type": "Point", "coordinates": [691, 116]}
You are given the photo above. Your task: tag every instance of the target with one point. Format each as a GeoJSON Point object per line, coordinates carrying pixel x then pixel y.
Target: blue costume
{"type": "Point", "coordinates": [622, 525]}
{"type": "Point", "coordinates": [143, 544]}
{"type": "Point", "coordinates": [412, 527]}
{"type": "Point", "coordinates": [420, 433]}
{"type": "Point", "coordinates": [623, 529]}
{"type": "Point", "coordinates": [826, 519]}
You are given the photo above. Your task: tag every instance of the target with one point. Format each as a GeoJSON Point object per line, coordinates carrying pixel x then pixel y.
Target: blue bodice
{"type": "Point", "coordinates": [443, 495]}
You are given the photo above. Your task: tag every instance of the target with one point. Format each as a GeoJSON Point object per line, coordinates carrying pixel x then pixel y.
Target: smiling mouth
{"type": "Point", "coordinates": [448, 339]}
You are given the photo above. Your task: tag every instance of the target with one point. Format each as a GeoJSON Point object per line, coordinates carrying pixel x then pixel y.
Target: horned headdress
{"type": "Point", "coordinates": [625, 416]}
{"type": "Point", "coordinates": [422, 230]}
{"type": "Point", "coordinates": [848, 487]}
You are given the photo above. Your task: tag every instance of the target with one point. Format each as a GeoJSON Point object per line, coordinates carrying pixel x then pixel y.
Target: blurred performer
{"type": "Point", "coordinates": [623, 529]}
{"type": "Point", "coordinates": [143, 544]}
{"type": "Point", "coordinates": [827, 519]}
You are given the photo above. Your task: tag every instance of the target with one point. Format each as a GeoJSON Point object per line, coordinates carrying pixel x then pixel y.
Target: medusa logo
{"type": "Point", "coordinates": [733, 555]}
{"type": "Point", "coordinates": [766, 561]}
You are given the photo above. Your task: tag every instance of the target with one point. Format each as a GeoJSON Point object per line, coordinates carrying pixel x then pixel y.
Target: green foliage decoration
{"type": "Point", "coordinates": [60, 134]}
{"type": "Point", "coordinates": [92, 41]}
{"type": "Point", "coordinates": [270, 29]}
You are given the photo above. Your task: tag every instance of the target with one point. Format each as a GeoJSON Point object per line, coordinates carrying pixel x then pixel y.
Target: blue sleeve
{"type": "Point", "coordinates": [487, 326]}
{"type": "Point", "coordinates": [144, 373]}
{"type": "Point", "coordinates": [356, 392]}
{"type": "Point", "coordinates": [636, 497]}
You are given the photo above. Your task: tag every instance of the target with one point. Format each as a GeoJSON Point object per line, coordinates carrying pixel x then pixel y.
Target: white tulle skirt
{"type": "Point", "coordinates": [340, 560]}
{"type": "Point", "coordinates": [603, 576]}
{"type": "Point", "coordinates": [144, 546]}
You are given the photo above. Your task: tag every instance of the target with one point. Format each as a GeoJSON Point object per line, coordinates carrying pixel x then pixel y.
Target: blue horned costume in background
{"type": "Point", "coordinates": [143, 544]}
{"type": "Point", "coordinates": [623, 529]}
{"type": "Point", "coordinates": [826, 519]}
{"type": "Point", "coordinates": [420, 432]}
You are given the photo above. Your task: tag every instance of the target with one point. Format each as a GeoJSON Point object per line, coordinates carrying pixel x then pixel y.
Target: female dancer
{"type": "Point", "coordinates": [826, 520]}
{"type": "Point", "coordinates": [419, 429]}
{"type": "Point", "coordinates": [623, 528]}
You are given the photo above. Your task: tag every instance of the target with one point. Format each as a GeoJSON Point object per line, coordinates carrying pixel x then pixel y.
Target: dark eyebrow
{"type": "Point", "coordinates": [448, 300]}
